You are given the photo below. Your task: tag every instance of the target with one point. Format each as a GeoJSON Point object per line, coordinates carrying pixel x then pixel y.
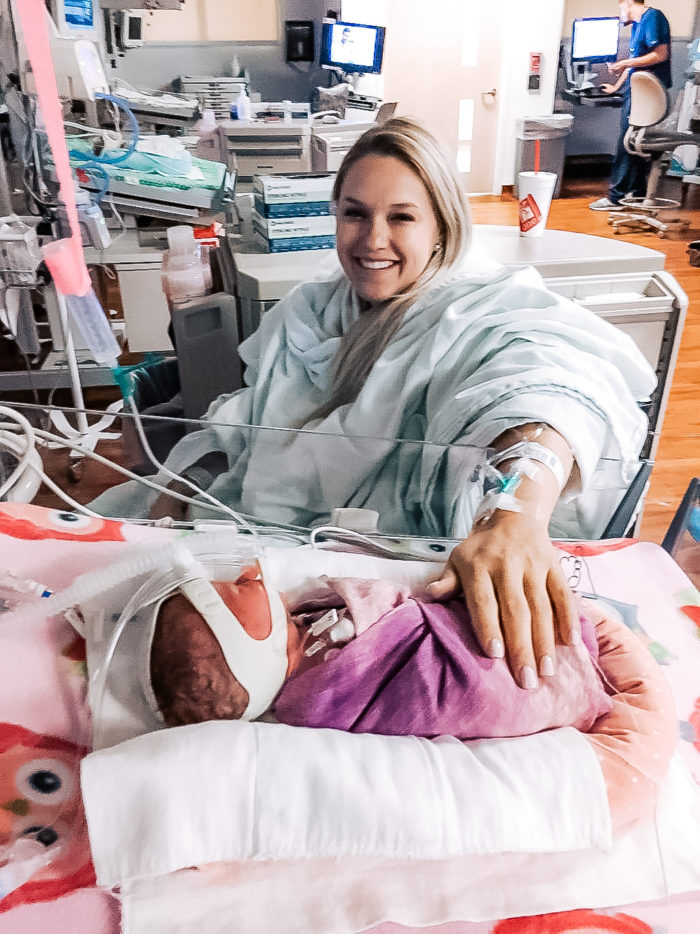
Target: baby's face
{"type": "Point", "coordinates": [190, 676]}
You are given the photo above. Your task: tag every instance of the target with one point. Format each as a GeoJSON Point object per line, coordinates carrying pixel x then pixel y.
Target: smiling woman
{"type": "Point", "coordinates": [402, 226]}
{"type": "Point", "coordinates": [412, 339]}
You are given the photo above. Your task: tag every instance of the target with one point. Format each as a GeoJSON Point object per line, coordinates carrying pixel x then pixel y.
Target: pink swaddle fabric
{"type": "Point", "coordinates": [636, 739]}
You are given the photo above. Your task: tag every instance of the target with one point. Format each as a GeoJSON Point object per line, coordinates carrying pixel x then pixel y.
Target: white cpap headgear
{"type": "Point", "coordinates": [259, 665]}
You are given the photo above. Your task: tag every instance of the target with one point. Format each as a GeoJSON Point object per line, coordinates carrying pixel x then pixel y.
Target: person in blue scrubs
{"type": "Point", "coordinates": [650, 50]}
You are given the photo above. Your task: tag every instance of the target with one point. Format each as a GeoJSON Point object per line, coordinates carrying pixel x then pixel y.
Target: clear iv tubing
{"type": "Point", "coordinates": [213, 506]}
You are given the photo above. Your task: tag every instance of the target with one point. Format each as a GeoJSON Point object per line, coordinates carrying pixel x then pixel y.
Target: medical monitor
{"type": "Point", "coordinates": [76, 19]}
{"type": "Point", "coordinates": [595, 40]}
{"type": "Point", "coordinates": [352, 47]}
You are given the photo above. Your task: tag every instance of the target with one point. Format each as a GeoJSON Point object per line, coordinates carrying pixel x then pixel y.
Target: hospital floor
{"type": "Point", "coordinates": [678, 457]}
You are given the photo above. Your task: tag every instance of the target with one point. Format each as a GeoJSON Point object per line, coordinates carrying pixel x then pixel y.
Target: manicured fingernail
{"type": "Point", "coordinates": [528, 678]}
{"type": "Point", "coordinates": [546, 666]}
{"type": "Point", "coordinates": [496, 649]}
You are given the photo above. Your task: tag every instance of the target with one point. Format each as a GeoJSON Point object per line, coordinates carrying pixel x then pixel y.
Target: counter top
{"type": "Point", "coordinates": [268, 276]}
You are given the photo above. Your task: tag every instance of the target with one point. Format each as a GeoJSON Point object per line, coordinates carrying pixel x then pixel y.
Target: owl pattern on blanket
{"type": "Point", "coordinates": [35, 523]}
{"type": "Point", "coordinates": [40, 800]}
{"type": "Point", "coordinates": [583, 921]}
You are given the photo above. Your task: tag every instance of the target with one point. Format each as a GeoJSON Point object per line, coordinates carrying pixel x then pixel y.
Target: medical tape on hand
{"type": "Point", "coordinates": [493, 501]}
{"type": "Point", "coordinates": [533, 451]}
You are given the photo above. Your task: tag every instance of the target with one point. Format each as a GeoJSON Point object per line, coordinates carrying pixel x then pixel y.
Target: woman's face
{"type": "Point", "coordinates": [387, 230]}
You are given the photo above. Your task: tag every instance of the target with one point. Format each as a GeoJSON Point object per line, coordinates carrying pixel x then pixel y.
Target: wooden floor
{"type": "Point", "coordinates": [678, 458]}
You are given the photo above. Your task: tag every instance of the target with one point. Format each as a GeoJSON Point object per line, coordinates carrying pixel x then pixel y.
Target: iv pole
{"type": "Point", "coordinates": [88, 435]}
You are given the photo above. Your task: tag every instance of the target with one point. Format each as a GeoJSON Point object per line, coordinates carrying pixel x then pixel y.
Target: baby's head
{"type": "Point", "coordinates": [218, 650]}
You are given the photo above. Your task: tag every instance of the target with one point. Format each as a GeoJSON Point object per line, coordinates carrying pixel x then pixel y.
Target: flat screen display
{"type": "Point", "coordinates": [352, 47]}
{"type": "Point", "coordinates": [79, 14]}
{"type": "Point", "coordinates": [595, 39]}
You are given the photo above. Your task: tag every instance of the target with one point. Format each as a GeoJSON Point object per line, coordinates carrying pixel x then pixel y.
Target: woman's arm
{"type": "Point", "coordinates": [510, 574]}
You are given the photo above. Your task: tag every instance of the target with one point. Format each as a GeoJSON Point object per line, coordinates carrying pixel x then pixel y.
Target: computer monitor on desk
{"type": "Point", "coordinates": [76, 19]}
{"type": "Point", "coordinates": [594, 40]}
{"type": "Point", "coordinates": [353, 48]}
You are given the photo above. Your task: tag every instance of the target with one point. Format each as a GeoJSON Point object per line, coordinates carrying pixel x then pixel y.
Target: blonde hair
{"type": "Point", "coordinates": [408, 141]}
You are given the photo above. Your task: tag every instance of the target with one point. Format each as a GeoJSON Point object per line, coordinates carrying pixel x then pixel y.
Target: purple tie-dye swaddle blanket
{"type": "Point", "coordinates": [417, 670]}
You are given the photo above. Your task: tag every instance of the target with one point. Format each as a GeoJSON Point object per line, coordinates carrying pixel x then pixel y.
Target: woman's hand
{"type": "Point", "coordinates": [519, 601]}
{"type": "Point", "coordinates": [518, 598]}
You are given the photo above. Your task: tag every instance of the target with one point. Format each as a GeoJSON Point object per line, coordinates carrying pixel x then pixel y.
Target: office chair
{"type": "Point", "coordinates": [654, 138]}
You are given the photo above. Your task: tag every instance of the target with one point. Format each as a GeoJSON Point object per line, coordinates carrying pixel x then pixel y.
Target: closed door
{"type": "Point", "coordinates": [442, 62]}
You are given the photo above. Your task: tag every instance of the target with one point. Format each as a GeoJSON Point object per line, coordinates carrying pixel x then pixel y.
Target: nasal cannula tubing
{"type": "Point", "coordinates": [187, 567]}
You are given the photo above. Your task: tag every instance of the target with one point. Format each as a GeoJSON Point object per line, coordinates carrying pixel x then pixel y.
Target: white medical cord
{"type": "Point", "coordinates": [23, 452]}
{"type": "Point", "coordinates": [45, 437]}
{"type": "Point", "coordinates": [237, 517]}
{"type": "Point", "coordinates": [32, 434]}
{"type": "Point", "coordinates": [76, 446]}
{"type": "Point", "coordinates": [336, 534]}
{"type": "Point", "coordinates": [21, 489]}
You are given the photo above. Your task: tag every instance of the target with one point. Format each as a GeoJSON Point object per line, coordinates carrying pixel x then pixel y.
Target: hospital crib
{"type": "Point", "coordinates": [407, 495]}
{"type": "Point", "coordinates": [259, 827]}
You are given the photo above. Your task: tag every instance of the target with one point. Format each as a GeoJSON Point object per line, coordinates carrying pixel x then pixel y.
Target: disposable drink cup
{"type": "Point", "coordinates": [535, 190]}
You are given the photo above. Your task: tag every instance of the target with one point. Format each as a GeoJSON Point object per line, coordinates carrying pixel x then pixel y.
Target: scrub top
{"type": "Point", "coordinates": [651, 31]}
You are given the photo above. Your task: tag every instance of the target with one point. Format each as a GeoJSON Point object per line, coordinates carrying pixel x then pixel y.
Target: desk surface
{"type": "Point", "coordinates": [268, 276]}
{"type": "Point", "coordinates": [592, 100]}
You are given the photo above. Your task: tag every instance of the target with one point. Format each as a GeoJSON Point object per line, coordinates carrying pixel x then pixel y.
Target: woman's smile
{"type": "Point", "coordinates": [375, 263]}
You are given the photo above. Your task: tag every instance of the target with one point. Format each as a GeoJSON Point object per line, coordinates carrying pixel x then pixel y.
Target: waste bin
{"type": "Point", "coordinates": [552, 131]}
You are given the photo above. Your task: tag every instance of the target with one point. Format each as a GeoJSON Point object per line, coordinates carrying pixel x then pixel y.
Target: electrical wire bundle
{"type": "Point", "coordinates": [21, 439]}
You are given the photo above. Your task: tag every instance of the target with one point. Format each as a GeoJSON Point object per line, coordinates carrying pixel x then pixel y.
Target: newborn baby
{"type": "Point", "coordinates": [356, 655]}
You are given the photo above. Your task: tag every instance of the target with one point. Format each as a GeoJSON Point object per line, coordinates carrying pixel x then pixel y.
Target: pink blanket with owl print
{"type": "Point", "coordinates": [45, 722]}
{"type": "Point", "coordinates": [45, 729]}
